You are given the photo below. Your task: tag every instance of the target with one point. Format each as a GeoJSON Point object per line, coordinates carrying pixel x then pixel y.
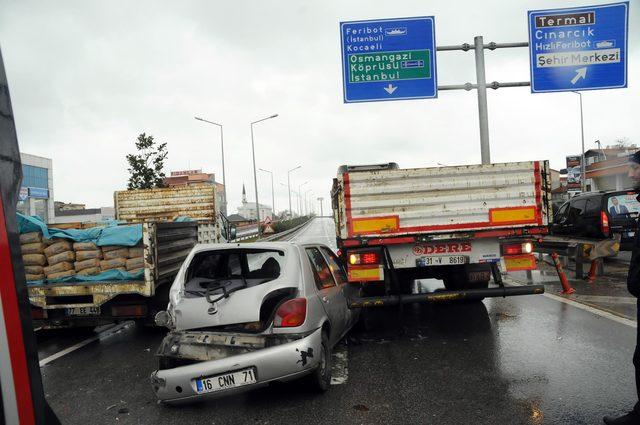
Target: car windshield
{"type": "Point", "coordinates": [232, 269]}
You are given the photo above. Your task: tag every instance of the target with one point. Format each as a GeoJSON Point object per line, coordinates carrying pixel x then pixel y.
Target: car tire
{"type": "Point", "coordinates": [320, 379]}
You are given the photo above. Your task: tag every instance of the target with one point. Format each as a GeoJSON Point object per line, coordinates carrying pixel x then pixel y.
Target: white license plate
{"type": "Point", "coordinates": [442, 260]}
{"type": "Point", "coordinates": [83, 311]}
{"type": "Point", "coordinates": [228, 380]}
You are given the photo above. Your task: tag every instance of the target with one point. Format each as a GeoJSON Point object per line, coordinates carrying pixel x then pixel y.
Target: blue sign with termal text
{"type": "Point", "coordinates": [579, 48]}
{"type": "Point", "coordinates": [389, 59]}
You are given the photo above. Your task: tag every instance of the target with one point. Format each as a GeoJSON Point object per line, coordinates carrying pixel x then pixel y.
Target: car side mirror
{"type": "Point", "coordinates": [232, 232]}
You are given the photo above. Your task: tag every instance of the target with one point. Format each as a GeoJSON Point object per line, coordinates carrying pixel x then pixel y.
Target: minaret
{"type": "Point", "coordinates": [244, 195]}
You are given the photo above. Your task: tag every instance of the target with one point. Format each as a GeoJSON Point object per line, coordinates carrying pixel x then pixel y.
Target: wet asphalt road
{"type": "Point", "coordinates": [529, 360]}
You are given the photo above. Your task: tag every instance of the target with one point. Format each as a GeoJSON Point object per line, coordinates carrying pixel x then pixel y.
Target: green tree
{"type": "Point", "coordinates": [145, 168]}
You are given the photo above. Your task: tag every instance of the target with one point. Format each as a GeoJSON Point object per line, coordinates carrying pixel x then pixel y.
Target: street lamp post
{"type": "Point", "coordinates": [290, 191]}
{"type": "Point", "coordinates": [300, 197]}
{"type": "Point", "coordinates": [289, 188]}
{"type": "Point", "coordinates": [273, 199]}
{"type": "Point", "coordinates": [306, 205]}
{"type": "Point", "coordinates": [255, 174]}
{"type": "Point", "coordinates": [583, 177]}
{"type": "Point", "coordinates": [224, 181]}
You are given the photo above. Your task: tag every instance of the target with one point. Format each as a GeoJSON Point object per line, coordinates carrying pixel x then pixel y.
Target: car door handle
{"type": "Point", "coordinates": [325, 299]}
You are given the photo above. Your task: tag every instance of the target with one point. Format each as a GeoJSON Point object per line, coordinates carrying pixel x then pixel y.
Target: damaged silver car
{"type": "Point", "coordinates": [244, 315]}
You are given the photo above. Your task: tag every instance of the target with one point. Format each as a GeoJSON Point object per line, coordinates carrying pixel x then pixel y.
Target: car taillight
{"type": "Point", "coordinates": [364, 258]}
{"type": "Point", "coordinates": [291, 313]}
{"type": "Point", "coordinates": [517, 248]}
{"type": "Point", "coordinates": [604, 222]}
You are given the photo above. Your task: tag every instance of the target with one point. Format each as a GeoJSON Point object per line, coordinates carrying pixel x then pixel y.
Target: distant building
{"type": "Point", "coordinates": [66, 206]}
{"type": "Point", "coordinates": [84, 215]}
{"type": "Point", "coordinates": [559, 193]}
{"type": "Point", "coordinates": [248, 209]}
{"type": "Point", "coordinates": [190, 177]}
{"type": "Point", "coordinates": [36, 189]}
{"type": "Point", "coordinates": [606, 169]}
{"type": "Point", "coordinates": [238, 220]}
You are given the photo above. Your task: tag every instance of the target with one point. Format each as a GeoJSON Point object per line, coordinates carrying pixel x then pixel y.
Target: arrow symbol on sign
{"type": "Point", "coordinates": [580, 73]}
{"type": "Point", "coordinates": [390, 89]}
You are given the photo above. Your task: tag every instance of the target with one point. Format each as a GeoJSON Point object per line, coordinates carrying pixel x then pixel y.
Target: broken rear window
{"type": "Point", "coordinates": [230, 270]}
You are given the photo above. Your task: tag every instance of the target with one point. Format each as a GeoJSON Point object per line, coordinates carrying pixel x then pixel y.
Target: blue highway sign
{"type": "Point", "coordinates": [389, 59]}
{"type": "Point", "coordinates": [580, 48]}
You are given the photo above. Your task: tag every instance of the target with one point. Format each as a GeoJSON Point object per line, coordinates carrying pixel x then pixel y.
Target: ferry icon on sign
{"type": "Point", "coordinates": [605, 44]}
{"type": "Point", "coordinates": [395, 31]}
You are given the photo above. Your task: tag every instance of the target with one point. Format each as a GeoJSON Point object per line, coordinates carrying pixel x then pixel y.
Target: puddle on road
{"type": "Point", "coordinates": [340, 363]}
{"type": "Point", "coordinates": [506, 316]}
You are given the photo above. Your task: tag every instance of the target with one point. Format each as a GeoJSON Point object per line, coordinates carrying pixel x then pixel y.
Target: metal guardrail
{"type": "Point", "coordinates": [291, 231]}
{"type": "Point", "coordinates": [274, 237]}
{"type": "Point", "coordinates": [581, 250]}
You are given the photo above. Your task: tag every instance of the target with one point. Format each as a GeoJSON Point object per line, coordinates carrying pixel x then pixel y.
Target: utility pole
{"type": "Point", "coordinates": [483, 111]}
{"type": "Point", "coordinates": [224, 180]}
{"type": "Point", "coordinates": [478, 47]}
{"type": "Point", "coordinates": [255, 174]}
{"type": "Point", "coordinates": [300, 198]}
{"type": "Point", "coordinates": [273, 198]}
{"type": "Point", "coordinates": [583, 177]}
{"type": "Point", "coordinates": [289, 188]}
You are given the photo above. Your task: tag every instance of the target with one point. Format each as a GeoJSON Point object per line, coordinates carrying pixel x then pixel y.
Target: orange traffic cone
{"type": "Point", "coordinates": [566, 288]}
{"type": "Point", "coordinates": [593, 271]}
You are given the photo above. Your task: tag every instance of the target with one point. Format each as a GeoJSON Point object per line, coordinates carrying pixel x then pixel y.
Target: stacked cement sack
{"type": "Point", "coordinates": [60, 258]}
{"type": "Point", "coordinates": [33, 257]}
{"type": "Point", "coordinates": [56, 258]}
{"type": "Point", "coordinates": [135, 260]}
{"type": "Point", "coordinates": [91, 259]}
{"type": "Point", "coordinates": [88, 256]}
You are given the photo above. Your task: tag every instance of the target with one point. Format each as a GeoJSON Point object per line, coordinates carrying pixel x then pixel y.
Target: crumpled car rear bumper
{"type": "Point", "coordinates": [282, 362]}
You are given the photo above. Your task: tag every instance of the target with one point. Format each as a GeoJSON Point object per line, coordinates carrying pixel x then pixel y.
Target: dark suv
{"type": "Point", "coordinates": [599, 215]}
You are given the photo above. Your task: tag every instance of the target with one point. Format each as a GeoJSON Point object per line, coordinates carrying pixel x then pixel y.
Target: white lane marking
{"type": "Point", "coordinates": [339, 367]}
{"type": "Point", "coordinates": [102, 335]}
{"type": "Point", "coordinates": [596, 311]}
{"type": "Point", "coordinates": [593, 310]}
{"type": "Point", "coordinates": [604, 299]}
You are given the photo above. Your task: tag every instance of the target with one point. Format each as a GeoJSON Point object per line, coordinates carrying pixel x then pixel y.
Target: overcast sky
{"type": "Point", "coordinates": [86, 77]}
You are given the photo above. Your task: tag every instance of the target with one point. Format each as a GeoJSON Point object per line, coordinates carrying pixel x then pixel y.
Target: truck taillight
{"type": "Point", "coordinates": [291, 313]}
{"type": "Point", "coordinates": [604, 223]}
{"type": "Point", "coordinates": [517, 248]}
{"type": "Point", "coordinates": [364, 258]}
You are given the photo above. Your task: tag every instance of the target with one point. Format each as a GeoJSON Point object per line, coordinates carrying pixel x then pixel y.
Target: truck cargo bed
{"type": "Point", "coordinates": [395, 202]}
{"type": "Point", "coordinates": [166, 245]}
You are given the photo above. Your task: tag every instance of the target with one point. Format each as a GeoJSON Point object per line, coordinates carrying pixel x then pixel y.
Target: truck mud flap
{"type": "Point", "coordinates": [444, 296]}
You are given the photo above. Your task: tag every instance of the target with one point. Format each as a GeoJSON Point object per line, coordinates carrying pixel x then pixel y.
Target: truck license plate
{"type": "Point", "coordinates": [442, 260]}
{"type": "Point", "coordinates": [228, 380]}
{"type": "Point", "coordinates": [83, 311]}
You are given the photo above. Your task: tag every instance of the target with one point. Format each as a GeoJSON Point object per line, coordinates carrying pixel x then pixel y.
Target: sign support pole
{"type": "Point", "coordinates": [583, 177]}
{"type": "Point", "coordinates": [478, 47]}
{"type": "Point", "coordinates": [483, 113]}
